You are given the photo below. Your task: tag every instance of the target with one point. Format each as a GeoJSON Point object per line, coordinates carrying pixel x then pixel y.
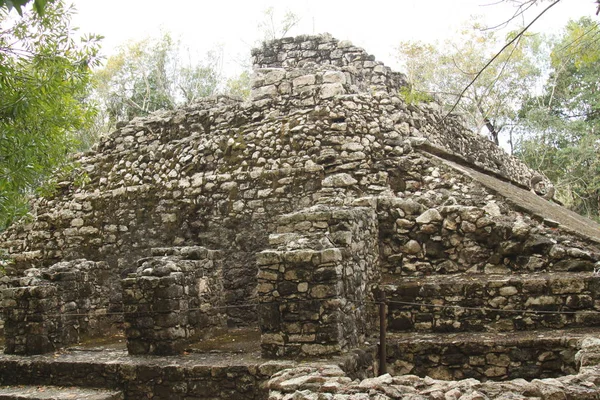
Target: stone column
{"type": "Point", "coordinates": [156, 309]}
{"type": "Point", "coordinates": [315, 301]}
{"type": "Point", "coordinates": [31, 322]}
{"type": "Point", "coordinates": [301, 296]}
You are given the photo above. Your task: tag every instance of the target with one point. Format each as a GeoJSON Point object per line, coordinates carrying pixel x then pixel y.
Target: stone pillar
{"type": "Point", "coordinates": [156, 309]}
{"type": "Point", "coordinates": [31, 323]}
{"type": "Point", "coordinates": [300, 294]}
{"type": "Point", "coordinates": [314, 301]}
{"type": "Point", "coordinates": [173, 295]}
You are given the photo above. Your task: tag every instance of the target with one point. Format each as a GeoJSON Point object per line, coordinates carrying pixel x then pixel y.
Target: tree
{"type": "Point", "coordinates": [39, 6]}
{"type": "Point", "coordinates": [44, 80]}
{"type": "Point", "coordinates": [274, 27]}
{"type": "Point", "coordinates": [146, 76]}
{"type": "Point", "coordinates": [239, 86]}
{"type": "Point", "coordinates": [562, 125]}
{"type": "Point", "coordinates": [491, 102]}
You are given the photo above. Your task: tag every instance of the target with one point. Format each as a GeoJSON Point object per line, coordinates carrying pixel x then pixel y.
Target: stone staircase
{"type": "Point", "coordinates": [489, 326]}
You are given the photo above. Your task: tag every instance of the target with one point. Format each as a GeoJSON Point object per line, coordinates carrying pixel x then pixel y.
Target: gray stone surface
{"type": "Point", "coordinates": [57, 393]}
{"type": "Point", "coordinates": [314, 299]}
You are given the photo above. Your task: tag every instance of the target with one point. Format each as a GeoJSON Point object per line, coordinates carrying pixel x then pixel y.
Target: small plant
{"type": "Point", "coordinates": [5, 261]}
{"type": "Point", "coordinates": [81, 178]}
{"type": "Point", "coordinates": [413, 96]}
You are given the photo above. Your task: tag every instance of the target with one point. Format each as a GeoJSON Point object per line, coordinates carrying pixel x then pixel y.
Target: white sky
{"type": "Point", "coordinates": [376, 25]}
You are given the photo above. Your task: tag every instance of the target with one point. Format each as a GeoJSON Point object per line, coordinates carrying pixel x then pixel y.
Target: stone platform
{"type": "Point", "coordinates": [57, 393]}
{"type": "Point", "coordinates": [329, 382]}
{"type": "Point", "coordinates": [223, 375]}
{"type": "Point", "coordinates": [487, 356]}
{"type": "Point", "coordinates": [227, 365]}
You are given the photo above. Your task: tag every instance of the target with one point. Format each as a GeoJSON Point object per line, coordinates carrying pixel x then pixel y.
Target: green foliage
{"type": "Point", "coordinates": [445, 69]}
{"type": "Point", "coordinates": [44, 80]}
{"type": "Point", "coordinates": [146, 76]}
{"type": "Point", "coordinates": [39, 6]}
{"type": "Point", "coordinates": [412, 96]}
{"type": "Point", "coordinates": [239, 86]}
{"type": "Point", "coordinates": [562, 125]}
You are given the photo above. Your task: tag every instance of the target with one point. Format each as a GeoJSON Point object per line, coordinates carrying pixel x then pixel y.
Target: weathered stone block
{"type": "Point", "coordinates": [329, 90]}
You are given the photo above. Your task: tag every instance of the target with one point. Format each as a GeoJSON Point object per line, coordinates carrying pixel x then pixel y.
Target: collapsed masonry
{"type": "Point", "coordinates": [321, 191]}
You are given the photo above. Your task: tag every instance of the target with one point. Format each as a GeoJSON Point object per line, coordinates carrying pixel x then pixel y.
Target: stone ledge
{"type": "Point", "coordinates": [486, 356]}
{"type": "Point", "coordinates": [479, 302]}
{"type": "Point", "coordinates": [57, 393]}
{"type": "Point", "coordinates": [330, 382]}
{"type": "Point", "coordinates": [203, 375]}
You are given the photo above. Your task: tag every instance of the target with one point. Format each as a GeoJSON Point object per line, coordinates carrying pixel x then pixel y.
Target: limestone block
{"type": "Point", "coordinates": [77, 222]}
{"type": "Point", "coordinates": [331, 89]}
{"type": "Point", "coordinates": [508, 291]}
{"type": "Point", "coordinates": [542, 301]}
{"type": "Point", "coordinates": [412, 247]}
{"type": "Point", "coordinates": [269, 257]}
{"type": "Point", "coordinates": [263, 92]}
{"type": "Point", "coordinates": [492, 209]}
{"type": "Point", "coordinates": [320, 350]}
{"type": "Point", "coordinates": [274, 75]}
{"type": "Point", "coordinates": [339, 180]}
{"type": "Point", "coordinates": [334, 77]}
{"type": "Point", "coordinates": [304, 80]}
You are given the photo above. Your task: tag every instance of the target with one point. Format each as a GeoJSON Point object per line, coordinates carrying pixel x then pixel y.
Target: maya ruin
{"type": "Point", "coordinates": [283, 219]}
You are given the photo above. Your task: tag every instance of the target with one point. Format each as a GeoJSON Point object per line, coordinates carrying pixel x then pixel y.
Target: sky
{"type": "Point", "coordinates": [376, 25]}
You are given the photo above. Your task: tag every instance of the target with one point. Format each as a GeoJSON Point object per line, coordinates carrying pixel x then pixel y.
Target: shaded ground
{"type": "Point", "coordinates": [240, 340]}
{"type": "Point", "coordinates": [225, 348]}
{"type": "Point", "coordinates": [236, 341]}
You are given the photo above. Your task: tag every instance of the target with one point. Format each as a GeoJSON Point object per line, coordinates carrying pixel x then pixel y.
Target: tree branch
{"type": "Point", "coordinates": [496, 56]}
{"type": "Point", "coordinates": [520, 11]}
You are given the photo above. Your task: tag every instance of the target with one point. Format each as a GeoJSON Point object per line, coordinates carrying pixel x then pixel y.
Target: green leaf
{"type": "Point", "coordinates": [42, 108]}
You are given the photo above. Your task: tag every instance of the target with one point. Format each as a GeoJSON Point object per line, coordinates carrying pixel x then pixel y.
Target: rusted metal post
{"type": "Point", "coordinates": [382, 334]}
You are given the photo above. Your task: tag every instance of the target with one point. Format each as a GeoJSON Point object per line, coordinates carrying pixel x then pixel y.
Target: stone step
{"type": "Point", "coordinates": [486, 356]}
{"type": "Point", "coordinates": [467, 302]}
{"type": "Point", "coordinates": [57, 393]}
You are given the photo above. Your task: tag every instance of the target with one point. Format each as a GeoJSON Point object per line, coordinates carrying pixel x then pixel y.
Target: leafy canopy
{"type": "Point", "coordinates": [562, 125]}
{"type": "Point", "coordinates": [443, 70]}
{"type": "Point", "coordinates": [44, 79]}
{"type": "Point", "coordinates": [39, 6]}
{"type": "Point", "coordinates": [148, 75]}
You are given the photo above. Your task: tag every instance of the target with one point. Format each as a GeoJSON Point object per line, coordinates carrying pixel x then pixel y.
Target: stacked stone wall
{"type": "Point", "coordinates": [497, 303]}
{"type": "Point", "coordinates": [425, 238]}
{"type": "Point", "coordinates": [308, 383]}
{"type": "Point", "coordinates": [498, 360]}
{"type": "Point", "coordinates": [53, 307]}
{"type": "Point", "coordinates": [161, 378]}
{"type": "Point", "coordinates": [438, 133]}
{"type": "Point", "coordinates": [360, 190]}
{"type": "Point", "coordinates": [186, 170]}
{"type": "Point", "coordinates": [302, 51]}
{"type": "Point", "coordinates": [219, 174]}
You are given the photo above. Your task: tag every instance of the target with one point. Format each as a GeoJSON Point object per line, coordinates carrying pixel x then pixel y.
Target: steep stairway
{"type": "Point", "coordinates": [489, 326]}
